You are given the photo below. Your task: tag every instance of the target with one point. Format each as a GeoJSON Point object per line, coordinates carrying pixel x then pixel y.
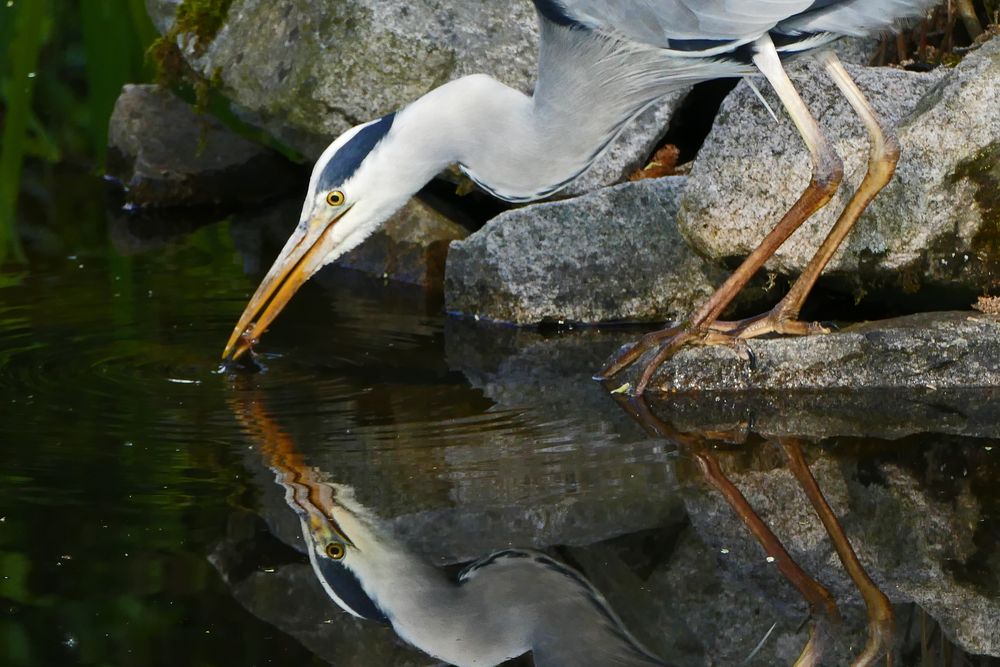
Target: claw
{"type": "Point", "coordinates": [629, 354]}
{"type": "Point", "coordinates": [745, 352]}
{"type": "Point", "coordinates": [617, 362]}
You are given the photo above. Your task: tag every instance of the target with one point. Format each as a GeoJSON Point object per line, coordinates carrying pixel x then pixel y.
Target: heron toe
{"type": "Point", "coordinates": [667, 342]}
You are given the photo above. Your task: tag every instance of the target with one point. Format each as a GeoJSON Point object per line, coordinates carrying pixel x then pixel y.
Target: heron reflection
{"type": "Point", "coordinates": [507, 604]}
{"type": "Point", "coordinates": [822, 606]}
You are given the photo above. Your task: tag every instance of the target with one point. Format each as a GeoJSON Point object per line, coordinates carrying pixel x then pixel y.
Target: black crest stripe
{"type": "Point", "coordinates": [349, 589]}
{"type": "Point", "coordinates": [555, 12]}
{"type": "Point", "coordinates": [346, 161]}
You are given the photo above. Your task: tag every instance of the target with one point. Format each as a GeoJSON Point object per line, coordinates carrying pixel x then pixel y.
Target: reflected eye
{"type": "Point", "coordinates": [335, 198]}
{"type": "Point", "coordinates": [335, 551]}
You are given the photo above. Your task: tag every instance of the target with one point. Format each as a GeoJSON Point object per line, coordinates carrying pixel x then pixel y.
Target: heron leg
{"type": "Point", "coordinates": [826, 176]}
{"type": "Point", "coordinates": [881, 166]}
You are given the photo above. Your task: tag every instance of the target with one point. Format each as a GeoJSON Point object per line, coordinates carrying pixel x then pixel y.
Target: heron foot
{"type": "Point", "coordinates": [669, 341]}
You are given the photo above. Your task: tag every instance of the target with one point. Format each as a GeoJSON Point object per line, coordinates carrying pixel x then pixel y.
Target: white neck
{"type": "Point", "coordinates": [522, 148]}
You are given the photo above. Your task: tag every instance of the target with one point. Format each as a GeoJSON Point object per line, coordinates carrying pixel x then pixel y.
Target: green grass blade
{"type": "Point", "coordinates": [29, 35]}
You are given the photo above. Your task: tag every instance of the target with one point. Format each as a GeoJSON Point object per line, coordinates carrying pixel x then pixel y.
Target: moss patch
{"type": "Point", "coordinates": [196, 23]}
{"type": "Point", "coordinates": [201, 20]}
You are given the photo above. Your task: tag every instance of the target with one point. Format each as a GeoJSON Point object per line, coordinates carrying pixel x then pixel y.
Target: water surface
{"type": "Point", "coordinates": [141, 524]}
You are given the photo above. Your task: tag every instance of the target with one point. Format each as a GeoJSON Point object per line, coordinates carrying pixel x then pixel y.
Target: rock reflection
{"type": "Point", "coordinates": [507, 604]}
{"type": "Point", "coordinates": [700, 448]}
{"type": "Point", "coordinates": [912, 474]}
{"type": "Point", "coordinates": [822, 606]}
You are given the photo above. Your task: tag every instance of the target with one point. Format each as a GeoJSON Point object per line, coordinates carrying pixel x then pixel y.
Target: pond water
{"type": "Point", "coordinates": [150, 500]}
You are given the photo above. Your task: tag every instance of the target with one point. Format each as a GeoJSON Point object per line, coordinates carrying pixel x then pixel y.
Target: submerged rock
{"type": "Point", "coordinates": [931, 350]}
{"type": "Point", "coordinates": [614, 254]}
{"type": "Point", "coordinates": [935, 226]}
{"type": "Point", "coordinates": [165, 154]}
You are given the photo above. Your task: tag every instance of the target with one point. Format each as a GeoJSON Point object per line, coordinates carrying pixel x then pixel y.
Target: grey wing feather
{"type": "Point", "coordinates": [656, 22]}
{"type": "Point", "coordinates": [858, 17]}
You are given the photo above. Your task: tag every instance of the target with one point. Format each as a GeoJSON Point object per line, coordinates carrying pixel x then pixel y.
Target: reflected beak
{"type": "Point", "coordinates": [301, 257]}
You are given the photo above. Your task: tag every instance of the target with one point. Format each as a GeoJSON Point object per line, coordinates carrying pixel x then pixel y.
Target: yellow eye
{"type": "Point", "coordinates": [335, 551]}
{"type": "Point", "coordinates": [335, 198]}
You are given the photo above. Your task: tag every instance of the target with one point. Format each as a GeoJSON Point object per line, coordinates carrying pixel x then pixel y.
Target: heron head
{"type": "Point", "coordinates": [350, 195]}
{"type": "Point", "coordinates": [333, 555]}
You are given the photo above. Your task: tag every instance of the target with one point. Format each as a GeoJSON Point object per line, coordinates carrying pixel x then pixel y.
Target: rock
{"type": "Point", "coordinates": [162, 12]}
{"type": "Point", "coordinates": [520, 367]}
{"type": "Point", "coordinates": [309, 71]}
{"type": "Point", "coordinates": [856, 50]}
{"type": "Point", "coordinates": [134, 232]}
{"type": "Point", "coordinates": [410, 247]}
{"type": "Point", "coordinates": [931, 350]}
{"type": "Point", "coordinates": [614, 254]}
{"type": "Point", "coordinates": [821, 413]}
{"type": "Point", "coordinates": [164, 154]}
{"type": "Point", "coordinates": [935, 227]}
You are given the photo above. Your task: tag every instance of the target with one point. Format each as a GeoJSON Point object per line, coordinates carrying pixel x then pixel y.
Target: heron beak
{"type": "Point", "coordinates": [301, 257]}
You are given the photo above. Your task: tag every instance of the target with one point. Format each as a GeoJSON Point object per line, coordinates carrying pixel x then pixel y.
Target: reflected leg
{"type": "Point", "coordinates": [881, 621]}
{"type": "Point", "coordinates": [820, 600]}
{"type": "Point", "coordinates": [821, 603]}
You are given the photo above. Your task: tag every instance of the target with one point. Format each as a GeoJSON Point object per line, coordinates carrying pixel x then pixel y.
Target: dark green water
{"type": "Point", "coordinates": [140, 523]}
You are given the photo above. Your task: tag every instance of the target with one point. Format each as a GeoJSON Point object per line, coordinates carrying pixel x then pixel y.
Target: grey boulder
{"type": "Point", "coordinates": [614, 254]}
{"type": "Point", "coordinates": [934, 227]}
{"type": "Point", "coordinates": [310, 70]}
{"type": "Point", "coordinates": [165, 154]}
{"type": "Point", "coordinates": [410, 247]}
{"type": "Point", "coordinates": [928, 351]}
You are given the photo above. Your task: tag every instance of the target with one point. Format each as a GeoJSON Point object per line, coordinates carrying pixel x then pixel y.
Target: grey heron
{"type": "Point", "coordinates": [601, 63]}
{"type": "Point", "coordinates": [502, 606]}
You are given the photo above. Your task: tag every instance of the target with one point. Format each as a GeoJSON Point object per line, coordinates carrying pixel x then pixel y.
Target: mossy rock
{"type": "Point", "coordinates": [307, 71]}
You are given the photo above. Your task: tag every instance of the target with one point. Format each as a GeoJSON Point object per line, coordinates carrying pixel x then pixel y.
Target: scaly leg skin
{"type": "Point", "coordinates": [826, 177]}
{"type": "Point", "coordinates": [783, 318]}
